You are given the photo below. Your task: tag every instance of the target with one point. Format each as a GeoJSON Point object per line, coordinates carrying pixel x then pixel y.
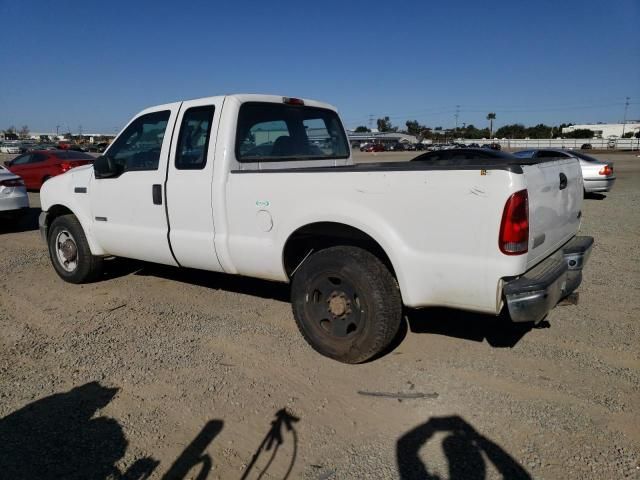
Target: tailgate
{"type": "Point", "coordinates": [555, 201]}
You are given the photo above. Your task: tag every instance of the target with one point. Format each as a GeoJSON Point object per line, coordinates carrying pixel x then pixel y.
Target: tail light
{"type": "Point", "coordinates": [514, 228]}
{"type": "Point", "coordinates": [606, 170]}
{"type": "Point", "coordinates": [64, 166]}
{"type": "Point", "coordinates": [14, 182]}
{"type": "Point", "coordinates": [292, 101]}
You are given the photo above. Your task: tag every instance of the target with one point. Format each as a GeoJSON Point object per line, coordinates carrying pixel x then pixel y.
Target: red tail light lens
{"type": "Point", "coordinates": [14, 182]}
{"type": "Point", "coordinates": [64, 166]}
{"type": "Point", "coordinates": [292, 101]}
{"type": "Point", "coordinates": [606, 170]}
{"type": "Point", "coordinates": [514, 228]}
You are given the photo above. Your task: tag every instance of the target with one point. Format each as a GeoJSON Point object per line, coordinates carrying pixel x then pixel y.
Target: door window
{"type": "Point", "coordinates": [22, 160]}
{"type": "Point", "coordinates": [193, 141]}
{"type": "Point", "coordinates": [138, 147]}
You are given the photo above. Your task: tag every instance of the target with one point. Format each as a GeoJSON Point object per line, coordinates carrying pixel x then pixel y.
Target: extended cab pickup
{"type": "Point", "coordinates": [265, 186]}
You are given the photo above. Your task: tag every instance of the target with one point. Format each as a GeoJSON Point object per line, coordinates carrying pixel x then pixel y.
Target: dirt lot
{"type": "Point", "coordinates": [175, 373]}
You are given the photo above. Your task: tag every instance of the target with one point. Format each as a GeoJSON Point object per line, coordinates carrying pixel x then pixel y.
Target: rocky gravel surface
{"type": "Point", "coordinates": [159, 373]}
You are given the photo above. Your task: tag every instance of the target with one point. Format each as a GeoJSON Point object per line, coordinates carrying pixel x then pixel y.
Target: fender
{"type": "Point", "coordinates": [70, 191]}
{"type": "Point", "coordinates": [365, 220]}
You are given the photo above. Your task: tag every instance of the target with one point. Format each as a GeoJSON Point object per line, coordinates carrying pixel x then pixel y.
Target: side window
{"type": "Point", "coordinates": [22, 160]}
{"type": "Point", "coordinates": [551, 154]}
{"type": "Point", "coordinates": [138, 148]}
{"type": "Point", "coordinates": [193, 141]}
{"type": "Point", "coordinates": [37, 158]}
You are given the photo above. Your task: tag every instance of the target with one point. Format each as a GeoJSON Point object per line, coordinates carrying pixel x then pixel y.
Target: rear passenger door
{"type": "Point", "coordinates": [190, 182]}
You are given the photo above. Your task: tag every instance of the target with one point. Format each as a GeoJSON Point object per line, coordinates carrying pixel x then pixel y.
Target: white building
{"type": "Point", "coordinates": [606, 130]}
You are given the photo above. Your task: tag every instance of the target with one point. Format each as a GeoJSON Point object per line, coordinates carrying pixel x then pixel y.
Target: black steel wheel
{"type": "Point", "coordinates": [346, 303]}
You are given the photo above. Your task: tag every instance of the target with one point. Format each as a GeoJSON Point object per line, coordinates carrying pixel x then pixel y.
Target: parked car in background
{"type": "Point", "coordinates": [13, 194]}
{"type": "Point", "coordinates": [9, 148]}
{"type": "Point", "coordinates": [598, 176]}
{"type": "Point", "coordinates": [373, 147]}
{"type": "Point", "coordinates": [463, 155]}
{"type": "Point", "coordinates": [586, 146]}
{"type": "Point", "coordinates": [474, 145]}
{"type": "Point", "coordinates": [98, 147]}
{"type": "Point", "coordinates": [38, 166]}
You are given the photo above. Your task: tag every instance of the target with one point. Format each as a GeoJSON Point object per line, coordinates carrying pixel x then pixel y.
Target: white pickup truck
{"type": "Point", "coordinates": [265, 186]}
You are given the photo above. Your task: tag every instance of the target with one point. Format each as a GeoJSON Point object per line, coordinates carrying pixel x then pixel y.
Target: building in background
{"type": "Point", "coordinates": [606, 130]}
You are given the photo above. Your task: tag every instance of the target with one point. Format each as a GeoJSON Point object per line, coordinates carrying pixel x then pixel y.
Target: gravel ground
{"type": "Point", "coordinates": [168, 373]}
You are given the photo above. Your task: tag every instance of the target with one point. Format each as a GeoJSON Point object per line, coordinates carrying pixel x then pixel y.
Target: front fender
{"type": "Point", "coordinates": [69, 193]}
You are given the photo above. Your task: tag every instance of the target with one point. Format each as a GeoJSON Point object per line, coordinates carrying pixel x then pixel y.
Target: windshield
{"type": "Point", "coordinates": [276, 132]}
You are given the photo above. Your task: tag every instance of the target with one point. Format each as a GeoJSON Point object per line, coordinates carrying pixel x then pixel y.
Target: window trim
{"type": "Point", "coordinates": [296, 158]}
{"type": "Point", "coordinates": [212, 107]}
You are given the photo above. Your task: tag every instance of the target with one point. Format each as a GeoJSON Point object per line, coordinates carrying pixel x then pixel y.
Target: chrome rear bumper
{"type": "Point", "coordinates": [532, 295]}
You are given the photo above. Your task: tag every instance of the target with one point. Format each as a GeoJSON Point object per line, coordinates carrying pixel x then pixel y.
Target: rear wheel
{"type": "Point", "coordinates": [70, 253]}
{"type": "Point", "coordinates": [346, 303]}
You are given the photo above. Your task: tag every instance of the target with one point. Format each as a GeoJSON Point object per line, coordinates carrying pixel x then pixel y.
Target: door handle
{"type": "Point", "coordinates": [563, 181]}
{"type": "Point", "coordinates": [156, 193]}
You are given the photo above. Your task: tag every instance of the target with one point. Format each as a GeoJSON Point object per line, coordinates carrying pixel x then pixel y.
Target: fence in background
{"type": "Point", "coordinates": [573, 143]}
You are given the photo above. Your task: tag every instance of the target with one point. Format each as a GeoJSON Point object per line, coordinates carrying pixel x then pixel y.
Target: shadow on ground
{"type": "Point", "coordinates": [498, 331]}
{"type": "Point", "coordinates": [60, 437]}
{"type": "Point", "coordinates": [468, 453]}
{"type": "Point", "coordinates": [215, 281]}
{"type": "Point", "coordinates": [25, 222]}
{"type": "Point", "coordinates": [594, 196]}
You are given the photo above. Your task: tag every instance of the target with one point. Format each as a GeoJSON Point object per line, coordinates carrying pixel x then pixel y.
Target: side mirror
{"type": "Point", "coordinates": [106, 167]}
{"type": "Point", "coordinates": [8, 163]}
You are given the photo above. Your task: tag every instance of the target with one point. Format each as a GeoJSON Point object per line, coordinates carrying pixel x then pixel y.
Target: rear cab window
{"type": "Point", "coordinates": [273, 132]}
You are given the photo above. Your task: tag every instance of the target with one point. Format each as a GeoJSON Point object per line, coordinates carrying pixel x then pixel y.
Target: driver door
{"type": "Point", "coordinates": [129, 212]}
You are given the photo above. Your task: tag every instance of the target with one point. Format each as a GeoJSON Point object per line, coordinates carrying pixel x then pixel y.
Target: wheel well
{"type": "Point", "coordinates": [55, 212]}
{"type": "Point", "coordinates": [318, 236]}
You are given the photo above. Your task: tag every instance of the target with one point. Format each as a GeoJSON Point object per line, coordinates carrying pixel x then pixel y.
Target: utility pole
{"type": "Point", "coordinates": [457, 115]}
{"type": "Point", "coordinates": [370, 121]}
{"type": "Point", "coordinates": [626, 107]}
{"type": "Point", "coordinates": [57, 130]}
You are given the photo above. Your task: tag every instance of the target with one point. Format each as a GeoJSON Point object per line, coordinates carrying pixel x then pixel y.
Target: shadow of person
{"type": "Point", "coordinates": [464, 448]}
{"type": "Point", "coordinates": [194, 454]}
{"type": "Point", "coordinates": [57, 437]}
{"type": "Point", "coordinates": [283, 422]}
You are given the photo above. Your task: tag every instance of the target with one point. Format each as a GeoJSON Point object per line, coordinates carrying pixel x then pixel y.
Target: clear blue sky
{"type": "Point", "coordinates": [96, 63]}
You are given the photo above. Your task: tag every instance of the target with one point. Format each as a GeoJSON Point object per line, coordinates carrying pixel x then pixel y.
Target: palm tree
{"type": "Point", "coordinates": [491, 117]}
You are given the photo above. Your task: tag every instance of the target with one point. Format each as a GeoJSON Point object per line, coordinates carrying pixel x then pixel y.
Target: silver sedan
{"type": "Point", "coordinates": [598, 176]}
{"type": "Point", "coordinates": [13, 194]}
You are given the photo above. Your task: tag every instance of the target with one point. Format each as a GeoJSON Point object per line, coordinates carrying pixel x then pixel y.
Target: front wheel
{"type": "Point", "coordinates": [70, 253]}
{"type": "Point", "coordinates": [346, 303]}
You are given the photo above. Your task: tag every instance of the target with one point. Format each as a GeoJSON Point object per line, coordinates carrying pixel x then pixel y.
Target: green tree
{"type": "Point", "coordinates": [414, 128]}
{"type": "Point", "coordinates": [384, 125]}
{"type": "Point", "coordinates": [580, 133]}
{"type": "Point", "coordinates": [362, 129]}
{"type": "Point", "coordinates": [628, 135]}
{"type": "Point", "coordinates": [491, 116]}
{"type": "Point", "coordinates": [516, 130]}
{"type": "Point", "coordinates": [24, 131]}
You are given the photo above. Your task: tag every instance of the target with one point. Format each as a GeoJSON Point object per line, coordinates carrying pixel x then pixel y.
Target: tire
{"type": "Point", "coordinates": [346, 303]}
{"type": "Point", "coordinates": [68, 243]}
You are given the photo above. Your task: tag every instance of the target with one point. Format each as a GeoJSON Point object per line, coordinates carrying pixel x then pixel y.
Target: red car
{"type": "Point", "coordinates": [373, 147]}
{"type": "Point", "coordinates": [38, 166]}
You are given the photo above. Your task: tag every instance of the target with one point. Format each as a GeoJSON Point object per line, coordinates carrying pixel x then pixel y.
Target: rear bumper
{"type": "Point", "coordinates": [531, 296]}
{"type": "Point", "coordinates": [592, 185]}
